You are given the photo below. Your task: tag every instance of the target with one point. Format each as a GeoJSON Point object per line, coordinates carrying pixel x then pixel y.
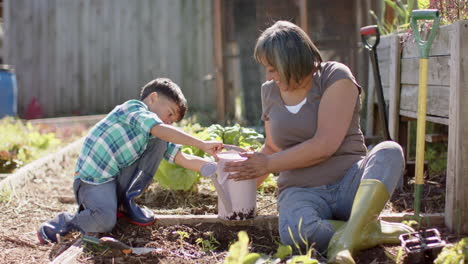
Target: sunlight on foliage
{"type": "Point", "coordinates": [268, 185]}
{"type": "Point", "coordinates": [22, 143]}
{"type": "Point", "coordinates": [283, 251]}
{"type": "Point", "coordinates": [454, 254]}
{"type": "Point", "coordinates": [239, 251]}
{"type": "Point", "coordinates": [401, 19]}
{"type": "Point", "coordinates": [303, 259]}
{"type": "Point", "coordinates": [5, 195]}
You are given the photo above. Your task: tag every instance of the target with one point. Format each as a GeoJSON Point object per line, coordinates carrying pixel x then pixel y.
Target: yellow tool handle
{"type": "Point", "coordinates": [421, 123]}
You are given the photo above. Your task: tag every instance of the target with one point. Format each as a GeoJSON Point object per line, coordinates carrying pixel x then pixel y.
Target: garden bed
{"type": "Point", "coordinates": [50, 193]}
{"type": "Point", "coordinates": [202, 240]}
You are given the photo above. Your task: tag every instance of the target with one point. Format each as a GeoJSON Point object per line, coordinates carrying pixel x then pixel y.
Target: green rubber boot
{"type": "Point", "coordinates": [363, 230]}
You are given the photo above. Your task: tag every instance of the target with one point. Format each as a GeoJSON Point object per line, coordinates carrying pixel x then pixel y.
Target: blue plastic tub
{"type": "Point", "coordinates": [8, 92]}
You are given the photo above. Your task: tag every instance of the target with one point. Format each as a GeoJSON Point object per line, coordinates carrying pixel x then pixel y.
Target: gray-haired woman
{"type": "Point", "coordinates": [331, 190]}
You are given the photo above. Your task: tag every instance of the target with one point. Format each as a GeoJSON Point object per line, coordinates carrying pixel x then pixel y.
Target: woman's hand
{"type": "Point", "coordinates": [255, 166]}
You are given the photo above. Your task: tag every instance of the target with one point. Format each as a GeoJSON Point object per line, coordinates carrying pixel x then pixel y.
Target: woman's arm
{"type": "Point", "coordinates": [268, 148]}
{"type": "Point", "coordinates": [334, 118]}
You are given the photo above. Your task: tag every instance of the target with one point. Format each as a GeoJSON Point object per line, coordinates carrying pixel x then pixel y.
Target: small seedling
{"type": "Point", "coordinates": [182, 236]}
{"type": "Point", "coordinates": [209, 244]}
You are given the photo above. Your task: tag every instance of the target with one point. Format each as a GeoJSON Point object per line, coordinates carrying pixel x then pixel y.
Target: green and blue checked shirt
{"type": "Point", "coordinates": [117, 141]}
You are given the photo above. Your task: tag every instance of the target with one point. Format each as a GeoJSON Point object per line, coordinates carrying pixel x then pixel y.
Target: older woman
{"type": "Point", "coordinates": [314, 141]}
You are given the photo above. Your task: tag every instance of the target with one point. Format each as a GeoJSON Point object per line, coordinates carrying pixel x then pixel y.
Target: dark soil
{"type": "Point", "coordinates": [45, 196]}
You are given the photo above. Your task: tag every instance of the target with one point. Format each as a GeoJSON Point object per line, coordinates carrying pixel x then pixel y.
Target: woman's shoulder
{"type": "Point", "coordinates": [268, 85]}
{"type": "Point", "coordinates": [332, 66]}
{"type": "Point", "coordinates": [268, 88]}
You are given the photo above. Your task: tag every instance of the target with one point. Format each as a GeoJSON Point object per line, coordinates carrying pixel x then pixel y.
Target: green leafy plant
{"type": "Point", "coordinates": [239, 251]}
{"type": "Point", "coordinates": [305, 242]}
{"type": "Point", "coordinates": [22, 143]}
{"type": "Point", "coordinates": [5, 195]}
{"type": "Point", "coordinates": [402, 13]}
{"type": "Point", "coordinates": [268, 185]}
{"type": "Point", "coordinates": [182, 236]}
{"type": "Point", "coordinates": [450, 11]}
{"type": "Point", "coordinates": [209, 244]}
{"type": "Point", "coordinates": [454, 254]}
{"type": "Point", "coordinates": [239, 254]}
{"type": "Point", "coordinates": [175, 177]}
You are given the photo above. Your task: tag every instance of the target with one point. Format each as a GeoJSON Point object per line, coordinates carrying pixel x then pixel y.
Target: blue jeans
{"type": "Point", "coordinates": [98, 203]}
{"type": "Point", "coordinates": [303, 212]}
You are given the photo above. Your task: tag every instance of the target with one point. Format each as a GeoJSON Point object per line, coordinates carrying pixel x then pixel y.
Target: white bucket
{"type": "Point", "coordinates": [241, 194]}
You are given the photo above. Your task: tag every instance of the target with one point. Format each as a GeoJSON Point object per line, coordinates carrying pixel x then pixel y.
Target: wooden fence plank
{"type": "Point", "coordinates": [456, 205]}
{"type": "Point", "coordinates": [437, 99]}
{"type": "Point", "coordinates": [394, 87]}
{"type": "Point", "coordinates": [91, 55]}
{"type": "Point", "coordinates": [438, 73]}
{"type": "Point", "coordinates": [438, 47]}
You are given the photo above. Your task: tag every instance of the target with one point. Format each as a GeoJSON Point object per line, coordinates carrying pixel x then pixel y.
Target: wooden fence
{"type": "Point", "coordinates": [447, 90]}
{"type": "Point", "coordinates": [86, 56]}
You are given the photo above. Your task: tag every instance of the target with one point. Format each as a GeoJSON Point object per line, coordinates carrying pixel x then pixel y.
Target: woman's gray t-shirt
{"type": "Point", "coordinates": [288, 129]}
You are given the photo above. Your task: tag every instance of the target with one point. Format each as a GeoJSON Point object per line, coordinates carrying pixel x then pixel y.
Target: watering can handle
{"type": "Point", "coordinates": [367, 32]}
{"type": "Point", "coordinates": [425, 14]}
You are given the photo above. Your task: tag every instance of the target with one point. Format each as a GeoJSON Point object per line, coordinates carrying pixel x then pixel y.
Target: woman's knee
{"type": "Point", "coordinates": [386, 163]}
{"type": "Point", "coordinates": [390, 153]}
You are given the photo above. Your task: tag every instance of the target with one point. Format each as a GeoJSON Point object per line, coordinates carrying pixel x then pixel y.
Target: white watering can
{"type": "Point", "coordinates": [236, 199]}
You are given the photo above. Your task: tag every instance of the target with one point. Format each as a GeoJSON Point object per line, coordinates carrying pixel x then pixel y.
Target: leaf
{"type": "Point", "coordinates": [239, 250]}
{"type": "Point", "coordinates": [303, 259]}
{"type": "Point", "coordinates": [174, 177]}
{"type": "Point", "coordinates": [251, 258]}
{"type": "Point", "coordinates": [283, 251]}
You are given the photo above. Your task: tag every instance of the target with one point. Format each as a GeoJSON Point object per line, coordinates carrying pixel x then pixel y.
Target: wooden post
{"type": "Point", "coordinates": [304, 19]}
{"type": "Point", "coordinates": [394, 87]}
{"type": "Point", "coordinates": [456, 205]}
{"type": "Point", "coordinates": [218, 34]}
{"type": "Point", "coordinates": [69, 255]}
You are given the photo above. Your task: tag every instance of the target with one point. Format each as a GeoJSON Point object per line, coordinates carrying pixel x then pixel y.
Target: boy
{"type": "Point", "coordinates": [119, 157]}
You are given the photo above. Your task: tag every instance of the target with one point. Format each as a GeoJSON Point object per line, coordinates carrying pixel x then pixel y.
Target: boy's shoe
{"type": "Point", "coordinates": [134, 213]}
{"type": "Point", "coordinates": [149, 220]}
{"type": "Point", "coordinates": [60, 225]}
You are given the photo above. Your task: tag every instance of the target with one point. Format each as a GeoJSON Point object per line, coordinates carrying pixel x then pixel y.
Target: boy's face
{"type": "Point", "coordinates": [166, 109]}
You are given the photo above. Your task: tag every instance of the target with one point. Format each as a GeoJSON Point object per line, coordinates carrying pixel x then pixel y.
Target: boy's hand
{"type": "Point", "coordinates": [212, 147]}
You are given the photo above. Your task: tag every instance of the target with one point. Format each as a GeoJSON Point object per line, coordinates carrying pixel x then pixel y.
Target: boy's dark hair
{"type": "Point", "coordinates": [169, 89]}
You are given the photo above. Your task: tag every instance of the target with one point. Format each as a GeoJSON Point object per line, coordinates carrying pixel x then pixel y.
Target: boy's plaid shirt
{"type": "Point", "coordinates": [117, 141]}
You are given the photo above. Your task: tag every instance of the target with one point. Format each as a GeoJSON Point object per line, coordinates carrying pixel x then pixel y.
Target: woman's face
{"type": "Point", "coordinates": [273, 74]}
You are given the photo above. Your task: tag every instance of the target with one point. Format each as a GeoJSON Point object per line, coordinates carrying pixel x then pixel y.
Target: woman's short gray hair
{"type": "Point", "coordinates": [287, 48]}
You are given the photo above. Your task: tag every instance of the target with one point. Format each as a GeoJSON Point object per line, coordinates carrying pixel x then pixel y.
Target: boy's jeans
{"type": "Point", "coordinates": [316, 205]}
{"type": "Point", "coordinates": [98, 203]}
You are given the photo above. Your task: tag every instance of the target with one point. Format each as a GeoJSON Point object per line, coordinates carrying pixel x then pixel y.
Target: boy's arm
{"type": "Point", "coordinates": [172, 134]}
{"type": "Point", "coordinates": [190, 162]}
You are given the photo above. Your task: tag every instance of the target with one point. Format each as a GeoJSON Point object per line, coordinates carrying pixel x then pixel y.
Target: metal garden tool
{"type": "Point", "coordinates": [110, 242]}
{"type": "Point", "coordinates": [422, 247]}
{"type": "Point", "coordinates": [368, 33]}
{"type": "Point", "coordinates": [424, 47]}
